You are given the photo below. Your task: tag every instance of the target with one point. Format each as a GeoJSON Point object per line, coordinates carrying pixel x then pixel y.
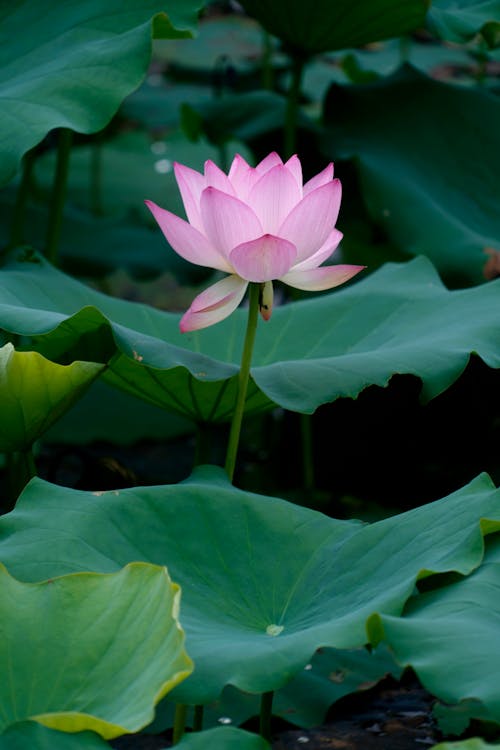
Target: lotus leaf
{"type": "Point", "coordinates": [90, 651]}
{"type": "Point", "coordinates": [408, 160]}
{"type": "Point", "coordinates": [250, 620]}
{"type": "Point", "coordinates": [448, 634]}
{"type": "Point", "coordinates": [35, 392]}
{"type": "Point", "coordinates": [77, 68]}
{"type": "Point", "coordinates": [400, 319]}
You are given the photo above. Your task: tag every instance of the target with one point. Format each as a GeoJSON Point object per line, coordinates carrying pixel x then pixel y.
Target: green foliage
{"type": "Point", "coordinates": [223, 738]}
{"type": "Point", "coordinates": [78, 67]}
{"type": "Point", "coordinates": [250, 621]}
{"type": "Point", "coordinates": [398, 320]}
{"type": "Point", "coordinates": [446, 634]}
{"type": "Point", "coordinates": [325, 25]}
{"type": "Point", "coordinates": [265, 583]}
{"type": "Point", "coordinates": [461, 21]}
{"type": "Point", "coordinates": [330, 675]}
{"type": "Point", "coordinates": [35, 392]}
{"type": "Point", "coordinates": [431, 185]}
{"type": "Point", "coordinates": [30, 734]}
{"type": "Point", "coordinates": [472, 744]}
{"type": "Point", "coordinates": [108, 646]}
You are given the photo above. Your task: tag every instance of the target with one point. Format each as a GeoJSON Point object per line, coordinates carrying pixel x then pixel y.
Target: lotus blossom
{"type": "Point", "coordinates": [257, 224]}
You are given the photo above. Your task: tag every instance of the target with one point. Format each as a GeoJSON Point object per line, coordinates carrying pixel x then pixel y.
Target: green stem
{"type": "Point", "coordinates": [266, 712]}
{"type": "Point", "coordinates": [307, 451]}
{"type": "Point", "coordinates": [20, 469]}
{"type": "Point", "coordinates": [243, 376]}
{"type": "Point", "coordinates": [404, 49]}
{"type": "Point", "coordinates": [58, 195]}
{"type": "Point", "coordinates": [267, 68]}
{"type": "Point", "coordinates": [292, 107]}
{"type": "Point", "coordinates": [179, 722]}
{"type": "Point", "coordinates": [203, 445]}
{"type": "Point", "coordinates": [19, 212]}
{"type": "Point", "coordinates": [198, 718]}
{"type": "Point", "coordinates": [95, 178]}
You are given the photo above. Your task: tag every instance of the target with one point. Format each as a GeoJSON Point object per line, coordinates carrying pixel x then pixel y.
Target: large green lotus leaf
{"type": "Point", "coordinates": [461, 20]}
{"type": "Point", "coordinates": [90, 651]}
{"type": "Point", "coordinates": [265, 583]}
{"type": "Point", "coordinates": [30, 734]}
{"type": "Point", "coordinates": [431, 185]}
{"type": "Point", "coordinates": [84, 59]}
{"type": "Point", "coordinates": [223, 738]}
{"type": "Point", "coordinates": [449, 636]}
{"type": "Point", "coordinates": [35, 392]}
{"type": "Point", "coordinates": [323, 25]}
{"type": "Point", "coordinates": [398, 320]}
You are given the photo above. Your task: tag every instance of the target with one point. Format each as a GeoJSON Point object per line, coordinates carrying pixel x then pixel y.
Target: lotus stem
{"type": "Point", "coordinates": [243, 376]}
{"type": "Point", "coordinates": [179, 722]}
{"type": "Point", "coordinates": [266, 712]}
{"type": "Point", "coordinates": [58, 195]}
{"type": "Point", "coordinates": [202, 445]}
{"type": "Point", "coordinates": [307, 451]}
{"type": "Point", "coordinates": [292, 107]}
{"type": "Point", "coordinates": [267, 68]}
{"type": "Point", "coordinates": [198, 718]}
{"type": "Point", "coordinates": [95, 198]}
{"type": "Point", "coordinates": [19, 212]}
{"type": "Point", "coordinates": [21, 468]}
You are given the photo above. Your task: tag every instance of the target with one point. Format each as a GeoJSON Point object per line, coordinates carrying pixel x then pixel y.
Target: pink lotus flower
{"type": "Point", "coordinates": [256, 224]}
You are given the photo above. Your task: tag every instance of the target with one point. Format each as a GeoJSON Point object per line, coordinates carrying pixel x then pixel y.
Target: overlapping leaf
{"type": "Point", "coordinates": [398, 320]}
{"type": "Point", "coordinates": [90, 652]}
{"type": "Point", "coordinates": [83, 60]}
{"type": "Point", "coordinates": [35, 392]}
{"type": "Point", "coordinates": [250, 619]}
{"type": "Point", "coordinates": [460, 21]}
{"type": "Point", "coordinates": [449, 637]}
{"type": "Point", "coordinates": [432, 185]}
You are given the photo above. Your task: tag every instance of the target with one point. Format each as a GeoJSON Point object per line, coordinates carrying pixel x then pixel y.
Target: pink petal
{"type": "Point", "coordinates": [263, 259]}
{"type": "Point", "coordinates": [273, 197]}
{"type": "Point", "coordinates": [318, 279]}
{"type": "Point", "coordinates": [190, 183]}
{"type": "Point", "coordinates": [216, 178]}
{"type": "Point", "coordinates": [327, 248]}
{"type": "Point", "coordinates": [227, 221]}
{"type": "Point", "coordinates": [242, 177]}
{"type": "Point", "coordinates": [187, 241]}
{"type": "Point", "coordinates": [294, 166]}
{"type": "Point", "coordinates": [271, 160]}
{"type": "Point", "coordinates": [311, 221]}
{"type": "Point", "coordinates": [214, 304]}
{"type": "Point", "coordinates": [320, 179]}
